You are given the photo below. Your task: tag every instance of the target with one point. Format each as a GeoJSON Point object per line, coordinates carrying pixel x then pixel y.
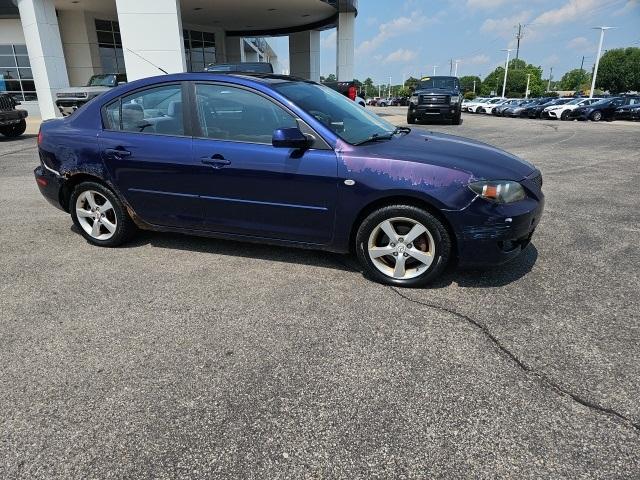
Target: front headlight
{"type": "Point", "coordinates": [454, 100]}
{"type": "Point", "coordinates": [413, 99]}
{"type": "Point", "coordinates": [498, 191]}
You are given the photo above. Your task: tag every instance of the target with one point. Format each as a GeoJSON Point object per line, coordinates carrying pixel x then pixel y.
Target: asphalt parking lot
{"type": "Point", "coordinates": [187, 357]}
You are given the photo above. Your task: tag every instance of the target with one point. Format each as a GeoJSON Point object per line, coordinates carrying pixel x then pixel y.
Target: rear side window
{"type": "Point", "coordinates": [230, 113]}
{"type": "Point", "coordinates": [154, 110]}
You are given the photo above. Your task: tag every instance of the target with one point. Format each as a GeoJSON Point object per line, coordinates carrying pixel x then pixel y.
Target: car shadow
{"type": "Point", "coordinates": [24, 136]}
{"type": "Point", "coordinates": [488, 277]}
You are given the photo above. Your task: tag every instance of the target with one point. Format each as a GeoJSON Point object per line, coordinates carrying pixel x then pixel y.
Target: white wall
{"type": "Point", "coordinates": [11, 31]}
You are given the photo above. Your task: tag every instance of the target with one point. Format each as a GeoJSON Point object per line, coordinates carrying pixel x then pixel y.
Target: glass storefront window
{"type": "Point", "coordinates": [15, 73]}
{"type": "Point", "coordinates": [199, 49]}
{"type": "Point", "coordinates": [110, 46]}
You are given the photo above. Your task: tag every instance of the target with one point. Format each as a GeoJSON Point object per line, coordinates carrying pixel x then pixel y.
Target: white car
{"type": "Point", "coordinates": [477, 107]}
{"type": "Point", "coordinates": [489, 106]}
{"type": "Point", "coordinates": [562, 111]}
{"type": "Point", "coordinates": [473, 104]}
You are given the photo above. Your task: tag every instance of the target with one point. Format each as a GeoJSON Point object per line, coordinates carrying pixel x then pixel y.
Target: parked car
{"type": "Point", "coordinates": [603, 110]}
{"type": "Point", "coordinates": [254, 67]}
{"type": "Point", "coordinates": [472, 107]}
{"type": "Point", "coordinates": [628, 112]}
{"type": "Point", "coordinates": [482, 108]}
{"type": "Point", "coordinates": [72, 98]}
{"type": "Point", "coordinates": [12, 120]}
{"type": "Point", "coordinates": [278, 160]}
{"type": "Point", "coordinates": [383, 102]}
{"type": "Point", "coordinates": [436, 98]}
{"type": "Point", "coordinates": [399, 101]}
{"type": "Point", "coordinates": [488, 107]}
{"type": "Point", "coordinates": [542, 111]}
{"type": "Point", "coordinates": [348, 89]}
{"type": "Point", "coordinates": [518, 109]}
{"type": "Point", "coordinates": [498, 110]}
{"type": "Point", "coordinates": [532, 107]}
{"type": "Point", "coordinates": [372, 101]}
{"type": "Point", "coordinates": [561, 111]}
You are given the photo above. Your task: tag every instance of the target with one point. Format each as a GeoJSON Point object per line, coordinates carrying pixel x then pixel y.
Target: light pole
{"type": "Point", "coordinates": [549, 82]}
{"type": "Point", "coordinates": [506, 69]}
{"type": "Point", "coordinates": [595, 68]}
{"type": "Point", "coordinates": [455, 74]}
{"type": "Point", "coordinates": [526, 90]}
{"type": "Point", "coordinates": [434, 69]}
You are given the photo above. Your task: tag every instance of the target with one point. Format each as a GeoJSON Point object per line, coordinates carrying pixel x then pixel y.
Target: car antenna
{"type": "Point", "coordinates": [161, 69]}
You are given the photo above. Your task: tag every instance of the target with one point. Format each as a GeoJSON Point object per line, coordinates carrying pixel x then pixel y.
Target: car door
{"type": "Point", "coordinates": [253, 187]}
{"type": "Point", "coordinates": [146, 147]}
{"type": "Point", "coordinates": [609, 110]}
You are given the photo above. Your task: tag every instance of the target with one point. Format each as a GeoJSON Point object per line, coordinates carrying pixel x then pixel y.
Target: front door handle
{"type": "Point", "coordinates": [117, 152]}
{"type": "Point", "coordinates": [216, 161]}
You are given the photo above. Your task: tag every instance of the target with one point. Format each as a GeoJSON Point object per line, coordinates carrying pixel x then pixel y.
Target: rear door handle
{"type": "Point", "coordinates": [117, 152]}
{"type": "Point", "coordinates": [216, 161]}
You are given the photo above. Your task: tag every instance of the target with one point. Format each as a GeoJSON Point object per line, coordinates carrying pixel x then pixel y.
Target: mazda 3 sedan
{"type": "Point", "coordinates": [279, 160]}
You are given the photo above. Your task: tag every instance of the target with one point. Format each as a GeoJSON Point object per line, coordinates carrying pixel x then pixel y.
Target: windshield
{"type": "Point", "coordinates": [575, 101]}
{"type": "Point", "coordinates": [444, 83]}
{"type": "Point", "coordinates": [344, 117]}
{"type": "Point", "coordinates": [102, 81]}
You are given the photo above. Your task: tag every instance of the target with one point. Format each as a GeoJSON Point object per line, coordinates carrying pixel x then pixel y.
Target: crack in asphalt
{"type": "Point", "coordinates": [523, 366]}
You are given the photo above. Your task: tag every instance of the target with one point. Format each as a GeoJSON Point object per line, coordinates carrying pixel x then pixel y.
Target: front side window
{"type": "Point", "coordinates": [154, 110]}
{"type": "Point", "coordinates": [230, 113]}
{"type": "Point", "coordinates": [344, 117]}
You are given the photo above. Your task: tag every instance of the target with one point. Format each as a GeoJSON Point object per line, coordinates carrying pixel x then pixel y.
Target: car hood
{"type": "Point", "coordinates": [477, 159]}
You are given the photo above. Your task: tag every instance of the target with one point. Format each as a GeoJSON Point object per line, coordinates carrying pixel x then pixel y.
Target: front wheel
{"type": "Point", "coordinates": [596, 116]}
{"type": "Point", "coordinates": [403, 245]}
{"type": "Point", "coordinates": [14, 130]}
{"type": "Point", "coordinates": [411, 120]}
{"type": "Point", "coordinates": [564, 115]}
{"type": "Point", "coordinates": [457, 120]}
{"type": "Point", "coordinates": [100, 215]}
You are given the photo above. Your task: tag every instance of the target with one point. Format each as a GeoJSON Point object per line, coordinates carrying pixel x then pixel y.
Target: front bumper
{"type": "Point", "coordinates": [50, 185]}
{"type": "Point", "coordinates": [491, 234]}
{"type": "Point", "coordinates": [11, 117]}
{"type": "Point", "coordinates": [68, 106]}
{"type": "Point", "coordinates": [434, 112]}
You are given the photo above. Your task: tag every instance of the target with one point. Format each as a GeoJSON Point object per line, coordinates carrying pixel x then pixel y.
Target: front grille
{"type": "Point", "coordinates": [537, 180]}
{"type": "Point", "coordinates": [434, 99]}
{"type": "Point", "coordinates": [72, 95]}
{"type": "Point", "coordinates": [6, 103]}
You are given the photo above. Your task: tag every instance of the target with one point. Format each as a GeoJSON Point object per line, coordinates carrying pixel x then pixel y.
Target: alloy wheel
{"type": "Point", "coordinates": [96, 215]}
{"type": "Point", "coordinates": [401, 248]}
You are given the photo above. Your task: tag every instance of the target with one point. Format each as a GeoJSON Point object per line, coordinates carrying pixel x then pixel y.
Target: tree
{"type": "Point", "coordinates": [516, 80]}
{"type": "Point", "coordinates": [368, 86]}
{"type": "Point", "coordinates": [331, 78]}
{"type": "Point", "coordinates": [404, 92]}
{"type": "Point", "coordinates": [619, 70]}
{"type": "Point", "coordinates": [411, 83]}
{"type": "Point", "coordinates": [466, 83]}
{"type": "Point", "coordinates": [573, 79]}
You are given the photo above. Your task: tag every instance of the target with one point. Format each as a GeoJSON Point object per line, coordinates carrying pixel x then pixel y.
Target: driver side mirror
{"type": "Point", "coordinates": [290, 138]}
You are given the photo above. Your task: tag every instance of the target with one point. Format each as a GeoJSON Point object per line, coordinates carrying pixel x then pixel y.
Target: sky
{"type": "Point", "coordinates": [408, 37]}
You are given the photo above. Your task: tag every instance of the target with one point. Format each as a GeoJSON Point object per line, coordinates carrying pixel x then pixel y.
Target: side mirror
{"type": "Point", "coordinates": [290, 138]}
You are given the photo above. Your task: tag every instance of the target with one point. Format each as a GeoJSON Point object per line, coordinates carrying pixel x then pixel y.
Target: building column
{"type": "Point", "coordinates": [151, 32]}
{"type": "Point", "coordinates": [42, 37]}
{"type": "Point", "coordinates": [304, 55]}
{"type": "Point", "coordinates": [346, 46]}
{"type": "Point", "coordinates": [235, 49]}
{"type": "Point", "coordinates": [80, 45]}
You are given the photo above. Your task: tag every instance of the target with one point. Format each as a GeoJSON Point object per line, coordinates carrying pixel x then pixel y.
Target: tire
{"type": "Point", "coordinates": [457, 120]}
{"type": "Point", "coordinates": [564, 115]}
{"type": "Point", "coordinates": [412, 272]}
{"type": "Point", "coordinates": [15, 130]}
{"type": "Point", "coordinates": [115, 227]}
{"type": "Point", "coordinates": [596, 116]}
{"type": "Point", "coordinates": [411, 120]}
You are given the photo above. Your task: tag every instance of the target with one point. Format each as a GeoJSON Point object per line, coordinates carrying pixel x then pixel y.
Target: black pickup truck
{"type": "Point", "coordinates": [436, 98]}
{"type": "Point", "coordinates": [12, 121]}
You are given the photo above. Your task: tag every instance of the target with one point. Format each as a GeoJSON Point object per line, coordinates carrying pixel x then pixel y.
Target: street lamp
{"type": "Point", "coordinates": [456, 71]}
{"type": "Point", "coordinates": [595, 68]}
{"type": "Point", "coordinates": [526, 90]}
{"type": "Point", "coordinates": [434, 69]}
{"type": "Point", "coordinates": [506, 68]}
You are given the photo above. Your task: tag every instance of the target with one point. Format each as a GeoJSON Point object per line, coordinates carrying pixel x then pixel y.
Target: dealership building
{"type": "Point", "coordinates": [46, 45]}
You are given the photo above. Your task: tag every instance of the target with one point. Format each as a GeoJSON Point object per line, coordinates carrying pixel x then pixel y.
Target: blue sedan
{"type": "Point", "coordinates": [275, 159]}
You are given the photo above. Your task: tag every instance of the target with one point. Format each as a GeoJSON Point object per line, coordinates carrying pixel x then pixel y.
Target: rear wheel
{"type": "Point", "coordinates": [596, 116]}
{"type": "Point", "coordinates": [100, 215]}
{"type": "Point", "coordinates": [403, 245]}
{"type": "Point", "coordinates": [14, 130]}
